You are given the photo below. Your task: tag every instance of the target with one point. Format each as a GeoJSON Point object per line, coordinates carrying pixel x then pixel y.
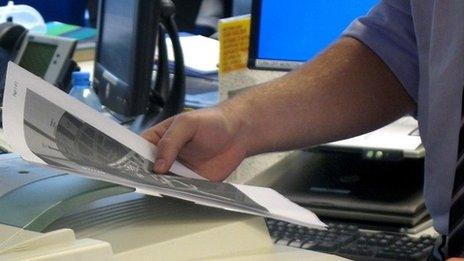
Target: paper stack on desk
{"type": "Point", "coordinates": [201, 55]}
{"type": "Point", "coordinates": [46, 126]}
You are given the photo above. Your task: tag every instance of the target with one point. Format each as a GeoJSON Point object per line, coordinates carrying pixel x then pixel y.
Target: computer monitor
{"type": "Point", "coordinates": [285, 34]}
{"type": "Point", "coordinates": [124, 56]}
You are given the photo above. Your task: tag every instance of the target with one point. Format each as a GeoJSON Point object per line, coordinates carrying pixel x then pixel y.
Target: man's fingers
{"type": "Point", "coordinates": [180, 131]}
{"type": "Point", "coordinates": [155, 133]}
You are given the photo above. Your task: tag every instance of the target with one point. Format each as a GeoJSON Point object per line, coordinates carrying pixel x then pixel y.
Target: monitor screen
{"type": "Point", "coordinates": [124, 54]}
{"type": "Point", "coordinates": [117, 30]}
{"type": "Point", "coordinates": [37, 57]}
{"type": "Point", "coordinates": [287, 33]}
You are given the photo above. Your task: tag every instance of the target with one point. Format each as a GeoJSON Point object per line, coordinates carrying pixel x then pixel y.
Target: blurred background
{"type": "Point", "coordinates": [193, 16]}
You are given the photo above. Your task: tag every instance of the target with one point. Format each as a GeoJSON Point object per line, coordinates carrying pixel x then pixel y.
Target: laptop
{"type": "Point", "coordinates": [349, 187]}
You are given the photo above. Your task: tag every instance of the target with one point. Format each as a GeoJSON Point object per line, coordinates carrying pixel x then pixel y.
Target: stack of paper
{"type": "Point", "coordinates": [401, 135]}
{"type": "Point", "coordinates": [201, 55]}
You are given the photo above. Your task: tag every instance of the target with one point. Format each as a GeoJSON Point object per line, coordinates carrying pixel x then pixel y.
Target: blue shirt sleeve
{"type": "Point", "coordinates": [388, 29]}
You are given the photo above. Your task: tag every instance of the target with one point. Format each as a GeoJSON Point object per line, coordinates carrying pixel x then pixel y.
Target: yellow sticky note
{"type": "Point", "coordinates": [234, 40]}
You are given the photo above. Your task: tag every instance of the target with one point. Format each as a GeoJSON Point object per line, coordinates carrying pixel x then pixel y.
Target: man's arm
{"type": "Point", "coordinates": [345, 91]}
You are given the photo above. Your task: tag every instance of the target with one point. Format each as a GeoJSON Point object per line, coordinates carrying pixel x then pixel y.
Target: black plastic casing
{"type": "Point", "coordinates": [128, 97]}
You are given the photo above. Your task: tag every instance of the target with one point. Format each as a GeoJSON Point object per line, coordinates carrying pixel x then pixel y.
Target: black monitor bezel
{"type": "Point", "coordinates": [130, 98]}
{"type": "Point", "coordinates": [254, 62]}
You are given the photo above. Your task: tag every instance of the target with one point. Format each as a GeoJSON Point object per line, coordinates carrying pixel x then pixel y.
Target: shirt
{"type": "Point", "coordinates": [422, 42]}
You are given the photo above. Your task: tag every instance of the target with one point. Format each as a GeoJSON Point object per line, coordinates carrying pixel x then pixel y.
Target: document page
{"type": "Point", "coordinates": [401, 135]}
{"type": "Point", "coordinates": [47, 126]}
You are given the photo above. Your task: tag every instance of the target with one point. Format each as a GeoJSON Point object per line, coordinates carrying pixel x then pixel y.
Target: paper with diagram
{"type": "Point", "coordinates": [46, 126]}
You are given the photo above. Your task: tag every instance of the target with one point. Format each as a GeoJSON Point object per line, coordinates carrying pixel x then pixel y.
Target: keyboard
{"type": "Point", "coordinates": [349, 241]}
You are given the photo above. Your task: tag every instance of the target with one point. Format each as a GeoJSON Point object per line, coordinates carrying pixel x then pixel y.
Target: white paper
{"type": "Point", "coordinates": [401, 135]}
{"type": "Point", "coordinates": [46, 126]}
{"type": "Point", "coordinates": [279, 205]}
{"type": "Point", "coordinates": [201, 54]}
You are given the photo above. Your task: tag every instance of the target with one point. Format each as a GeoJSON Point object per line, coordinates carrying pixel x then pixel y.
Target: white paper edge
{"type": "Point", "coordinates": [67, 103]}
{"type": "Point", "coordinates": [280, 207]}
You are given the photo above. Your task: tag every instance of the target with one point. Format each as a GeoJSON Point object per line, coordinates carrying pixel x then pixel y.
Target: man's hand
{"type": "Point", "coordinates": [344, 92]}
{"type": "Point", "coordinates": [211, 142]}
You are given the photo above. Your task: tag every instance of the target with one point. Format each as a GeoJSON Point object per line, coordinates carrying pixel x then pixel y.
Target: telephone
{"type": "Point", "coordinates": [48, 57]}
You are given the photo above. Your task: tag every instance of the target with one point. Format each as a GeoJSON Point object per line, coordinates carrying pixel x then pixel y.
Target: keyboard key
{"type": "Point", "coordinates": [428, 241]}
{"type": "Point", "coordinates": [280, 228]}
{"type": "Point", "coordinates": [281, 241]}
{"type": "Point", "coordinates": [383, 242]}
{"type": "Point", "coordinates": [349, 250]}
{"type": "Point", "coordinates": [302, 230]}
{"type": "Point", "coordinates": [344, 238]}
{"type": "Point", "coordinates": [367, 252]}
{"type": "Point", "coordinates": [402, 256]}
{"type": "Point", "coordinates": [389, 237]}
{"type": "Point", "coordinates": [405, 239]}
{"type": "Point", "coordinates": [296, 243]}
{"type": "Point", "coordinates": [284, 240]}
{"type": "Point", "coordinates": [418, 256]}
{"type": "Point", "coordinates": [311, 232]}
{"type": "Point", "coordinates": [308, 244]}
{"type": "Point", "coordinates": [325, 246]}
{"type": "Point", "coordinates": [353, 228]}
{"type": "Point", "coordinates": [385, 254]}
{"type": "Point", "coordinates": [308, 237]}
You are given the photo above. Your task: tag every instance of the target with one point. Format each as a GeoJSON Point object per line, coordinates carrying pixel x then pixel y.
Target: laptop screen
{"type": "Point", "coordinates": [285, 34]}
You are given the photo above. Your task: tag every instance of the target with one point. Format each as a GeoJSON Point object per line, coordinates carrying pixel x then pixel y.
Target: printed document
{"type": "Point", "coordinates": [47, 126]}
